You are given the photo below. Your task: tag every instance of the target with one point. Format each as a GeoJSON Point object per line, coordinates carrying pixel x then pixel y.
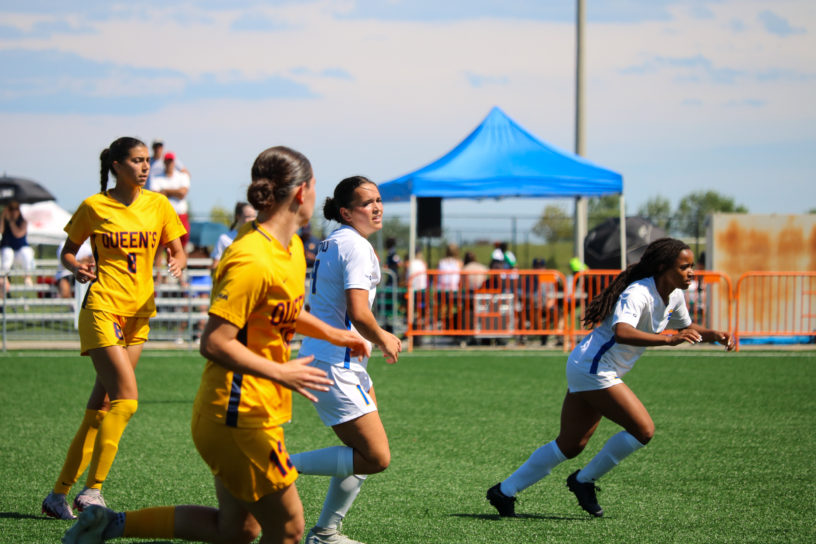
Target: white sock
{"type": "Point", "coordinates": [340, 497]}
{"type": "Point", "coordinates": [333, 461]}
{"type": "Point", "coordinates": [613, 452]}
{"type": "Point", "coordinates": [539, 464]}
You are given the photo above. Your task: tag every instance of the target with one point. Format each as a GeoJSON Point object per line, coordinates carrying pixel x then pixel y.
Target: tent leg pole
{"type": "Point", "coordinates": [623, 232]}
{"type": "Point", "coordinates": [411, 257]}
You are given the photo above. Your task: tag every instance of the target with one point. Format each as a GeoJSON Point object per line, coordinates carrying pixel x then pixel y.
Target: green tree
{"type": "Point", "coordinates": [601, 208]}
{"type": "Point", "coordinates": [554, 225]}
{"type": "Point", "coordinates": [219, 214]}
{"type": "Point", "coordinates": [657, 210]}
{"type": "Point", "coordinates": [393, 227]}
{"type": "Point", "coordinates": [693, 209]}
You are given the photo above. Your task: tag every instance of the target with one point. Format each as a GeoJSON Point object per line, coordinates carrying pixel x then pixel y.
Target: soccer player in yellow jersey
{"type": "Point", "coordinates": [245, 392]}
{"type": "Point", "coordinates": [126, 226]}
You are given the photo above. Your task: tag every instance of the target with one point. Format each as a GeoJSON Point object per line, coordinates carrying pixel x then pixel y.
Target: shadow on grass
{"type": "Point", "coordinates": [554, 517]}
{"type": "Point", "coordinates": [18, 515]}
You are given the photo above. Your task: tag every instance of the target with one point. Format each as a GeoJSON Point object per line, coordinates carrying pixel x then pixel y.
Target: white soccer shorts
{"type": "Point", "coordinates": [579, 379]}
{"type": "Point", "coordinates": [348, 398]}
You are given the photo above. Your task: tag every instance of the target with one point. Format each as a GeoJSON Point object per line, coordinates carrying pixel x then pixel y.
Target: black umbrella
{"type": "Point", "coordinates": [602, 244]}
{"type": "Point", "coordinates": [23, 191]}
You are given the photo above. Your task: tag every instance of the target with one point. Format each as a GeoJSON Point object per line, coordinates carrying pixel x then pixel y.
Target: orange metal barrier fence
{"type": "Point", "coordinates": [488, 304]}
{"type": "Point", "coordinates": [544, 303]}
{"type": "Point", "coordinates": [709, 299]}
{"type": "Point", "coordinates": [774, 304]}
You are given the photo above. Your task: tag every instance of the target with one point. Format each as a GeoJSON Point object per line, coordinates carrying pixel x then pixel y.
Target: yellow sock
{"type": "Point", "coordinates": [155, 522]}
{"type": "Point", "coordinates": [107, 440]}
{"type": "Point", "coordinates": [80, 451]}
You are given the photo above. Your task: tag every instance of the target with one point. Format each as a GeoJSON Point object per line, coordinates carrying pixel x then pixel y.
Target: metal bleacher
{"type": "Point", "coordinates": [34, 315]}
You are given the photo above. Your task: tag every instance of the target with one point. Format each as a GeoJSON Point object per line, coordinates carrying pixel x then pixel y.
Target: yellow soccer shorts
{"type": "Point", "coordinates": [102, 329]}
{"type": "Point", "coordinates": [251, 462]}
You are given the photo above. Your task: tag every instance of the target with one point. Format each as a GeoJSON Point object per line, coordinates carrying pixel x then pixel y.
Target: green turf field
{"type": "Point", "coordinates": [733, 458]}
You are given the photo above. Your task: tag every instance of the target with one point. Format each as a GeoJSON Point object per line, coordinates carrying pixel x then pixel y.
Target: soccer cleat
{"type": "Point", "coordinates": [585, 493]}
{"type": "Point", "coordinates": [501, 502]}
{"type": "Point", "coordinates": [88, 497]}
{"type": "Point", "coordinates": [55, 505]}
{"type": "Point", "coordinates": [90, 526]}
{"type": "Point", "coordinates": [319, 535]}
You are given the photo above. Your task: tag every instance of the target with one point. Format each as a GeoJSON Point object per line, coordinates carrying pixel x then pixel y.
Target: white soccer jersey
{"type": "Point", "coordinates": [641, 306]}
{"type": "Point", "coordinates": [345, 260]}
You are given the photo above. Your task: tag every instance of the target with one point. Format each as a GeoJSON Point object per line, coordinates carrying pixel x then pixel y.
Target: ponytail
{"type": "Point", "coordinates": [105, 166]}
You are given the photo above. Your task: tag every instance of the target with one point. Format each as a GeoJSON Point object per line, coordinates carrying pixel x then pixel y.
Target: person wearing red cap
{"type": "Point", "coordinates": [157, 163]}
{"type": "Point", "coordinates": [174, 184]}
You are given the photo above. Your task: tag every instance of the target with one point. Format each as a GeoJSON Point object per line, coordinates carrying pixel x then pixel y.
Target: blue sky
{"type": "Point", "coordinates": [681, 96]}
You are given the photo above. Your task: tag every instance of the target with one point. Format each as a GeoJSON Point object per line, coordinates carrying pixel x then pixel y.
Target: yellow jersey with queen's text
{"type": "Point", "coordinates": [258, 287]}
{"type": "Point", "coordinates": [124, 240]}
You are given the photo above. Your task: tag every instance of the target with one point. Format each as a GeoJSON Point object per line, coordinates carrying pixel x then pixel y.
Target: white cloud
{"type": "Point", "coordinates": [680, 98]}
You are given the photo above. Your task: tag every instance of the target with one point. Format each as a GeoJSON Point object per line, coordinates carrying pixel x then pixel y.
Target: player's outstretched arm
{"type": "Point", "coordinates": [710, 335]}
{"type": "Point", "coordinates": [359, 313]}
{"type": "Point", "coordinates": [219, 344]}
{"type": "Point", "coordinates": [309, 325]}
{"type": "Point", "coordinates": [627, 334]}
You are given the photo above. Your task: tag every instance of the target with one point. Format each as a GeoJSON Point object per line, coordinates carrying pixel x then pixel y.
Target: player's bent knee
{"type": "Point", "coordinates": [646, 437]}
{"type": "Point", "coordinates": [571, 450]}
{"type": "Point", "coordinates": [381, 460]}
{"type": "Point", "coordinates": [294, 529]}
{"type": "Point", "coordinates": [643, 434]}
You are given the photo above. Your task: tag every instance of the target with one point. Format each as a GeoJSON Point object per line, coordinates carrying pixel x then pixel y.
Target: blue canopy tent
{"type": "Point", "coordinates": [501, 159]}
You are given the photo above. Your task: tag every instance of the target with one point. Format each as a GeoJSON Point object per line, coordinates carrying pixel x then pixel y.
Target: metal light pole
{"type": "Point", "coordinates": [581, 203]}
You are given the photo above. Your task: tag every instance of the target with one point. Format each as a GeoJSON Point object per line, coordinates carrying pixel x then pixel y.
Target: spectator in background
{"type": "Point", "coordinates": [243, 214]}
{"type": "Point", "coordinates": [495, 282]}
{"type": "Point", "coordinates": [544, 299]}
{"type": "Point", "coordinates": [310, 244]}
{"type": "Point", "coordinates": [503, 255]}
{"type": "Point", "coordinates": [475, 276]}
{"type": "Point", "coordinates": [14, 246]}
{"type": "Point", "coordinates": [175, 184]}
{"type": "Point", "coordinates": [416, 278]}
{"type": "Point", "coordinates": [577, 265]}
{"type": "Point", "coordinates": [157, 163]}
{"type": "Point", "coordinates": [392, 261]}
{"type": "Point", "coordinates": [64, 278]}
{"type": "Point", "coordinates": [448, 282]}
{"type": "Point", "coordinates": [417, 272]}
{"type": "Point", "coordinates": [449, 267]}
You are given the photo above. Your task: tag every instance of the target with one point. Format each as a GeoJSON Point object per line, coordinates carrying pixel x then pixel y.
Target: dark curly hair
{"type": "Point", "coordinates": [117, 151]}
{"type": "Point", "coordinates": [275, 173]}
{"type": "Point", "coordinates": [343, 197]}
{"type": "Point", "coordinates": [659, 256]}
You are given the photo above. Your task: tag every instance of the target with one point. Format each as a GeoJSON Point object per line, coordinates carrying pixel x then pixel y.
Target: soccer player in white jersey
{"type": "Point", "coordinates": [344, 282]}
{"type": "Point", "coordinates": [630, 314]}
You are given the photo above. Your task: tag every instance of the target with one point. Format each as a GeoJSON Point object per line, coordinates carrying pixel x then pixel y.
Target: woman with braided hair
{"type": "Point", "coordinates": [630, 315]}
